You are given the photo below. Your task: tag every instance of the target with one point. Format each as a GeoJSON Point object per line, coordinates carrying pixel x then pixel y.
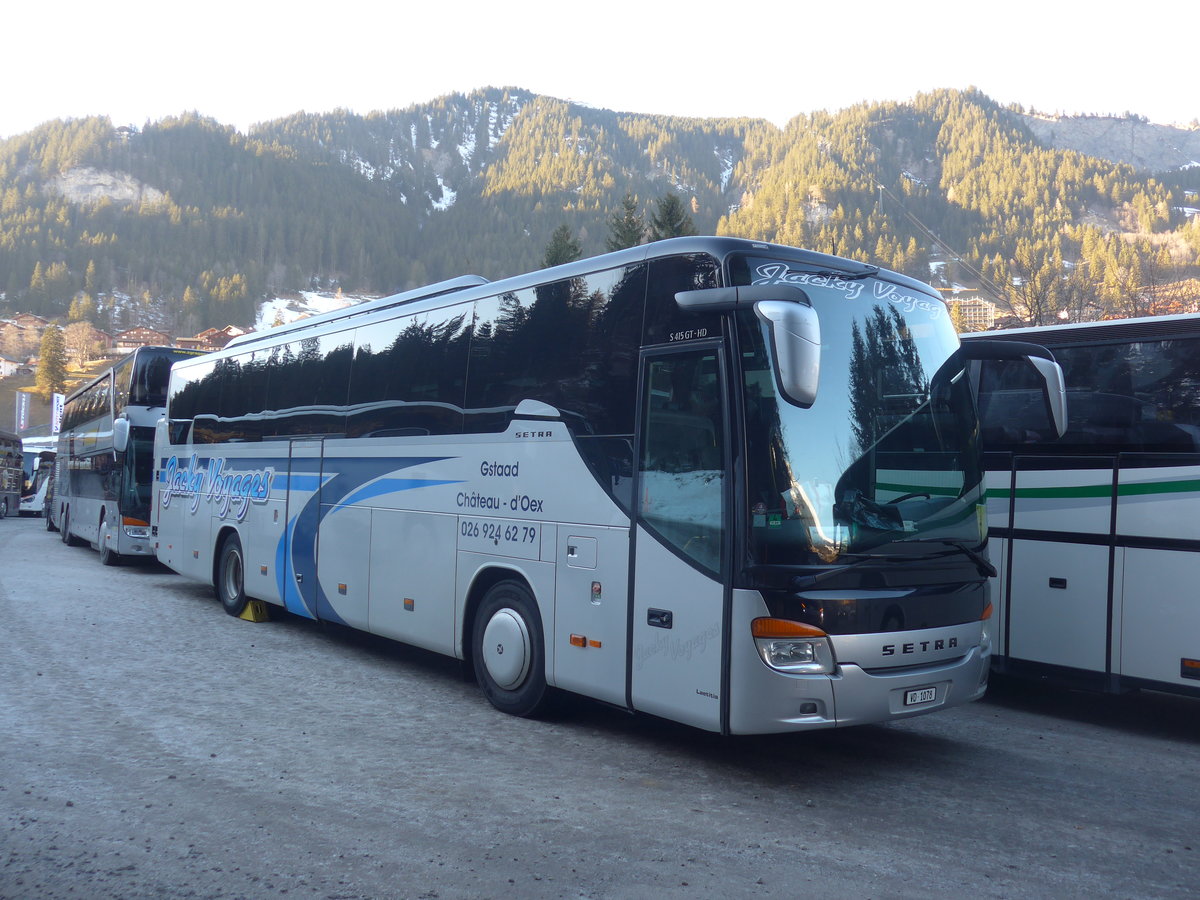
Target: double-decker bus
{"type": "Point", "coordinates": [1098, 531]}
{"type": "Point", "coordinates": [12, 474]}
{"type": "Point", "coordinates": [104, 463]}
{"type": "Point", "coordinates": [35, 498]}
{"type": "Point", "coordinates": [732, 484]}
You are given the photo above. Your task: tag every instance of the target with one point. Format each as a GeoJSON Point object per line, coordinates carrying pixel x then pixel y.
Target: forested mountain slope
{"type": "Point", "coordinates": [197, 222]}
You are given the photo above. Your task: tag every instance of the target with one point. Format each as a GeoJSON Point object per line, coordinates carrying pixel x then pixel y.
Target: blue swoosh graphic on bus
{"type": "Point", "coordinates": [286, 482]}
{"type": "Point", "coordinates": [391, 486]}
{"type": "Point", "coordinates": [299, 598]}
{"type": "Point", "coordinates": [341, 481]}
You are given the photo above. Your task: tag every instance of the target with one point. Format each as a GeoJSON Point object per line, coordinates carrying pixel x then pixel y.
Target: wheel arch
{"type": "Point", "coordinates": [218, 542]}
{"type": "Point", "coordinates": [484, 579]}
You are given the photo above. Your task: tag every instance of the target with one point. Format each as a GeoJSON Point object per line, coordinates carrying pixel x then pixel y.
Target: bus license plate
{"type": "Point", "coordinates": [920, 695]}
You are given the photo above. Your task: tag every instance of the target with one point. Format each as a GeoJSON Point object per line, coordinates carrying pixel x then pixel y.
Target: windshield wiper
{"type": "Point", "coordinates": [981, 562]}
{"type": "Point", "coordinates": [804, 582]}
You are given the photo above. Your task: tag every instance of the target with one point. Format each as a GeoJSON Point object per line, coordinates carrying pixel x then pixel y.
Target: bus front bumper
{"type": "Point", "coordinates": [778, 702]}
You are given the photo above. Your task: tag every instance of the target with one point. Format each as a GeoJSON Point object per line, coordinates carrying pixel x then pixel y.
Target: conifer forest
{"type": "Point", "coordinates": [190, 224]}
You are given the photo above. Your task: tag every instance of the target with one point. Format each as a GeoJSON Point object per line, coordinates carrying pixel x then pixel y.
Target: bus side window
{"type": "Point", "coordinates": [682, 458]}
{"type": "Point", "coordinates": [408, 375]}
{"type": "Point", "coordinates": [665, 323]}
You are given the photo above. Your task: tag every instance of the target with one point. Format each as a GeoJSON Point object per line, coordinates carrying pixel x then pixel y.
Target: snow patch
{"type": "Point", "coordinates": [726, 159]}
{"type": "Point", "coordinates": [359, 165]}
{"type": "Point", "coordinates": [282, 310]}
{"type": "Point", "coordinates": [447, 197]}
{"type": "Point", "coordinates": [466, 149]}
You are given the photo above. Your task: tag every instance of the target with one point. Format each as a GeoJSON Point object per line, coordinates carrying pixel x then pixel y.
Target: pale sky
{"type": "Point", "coordinates": [247, 61]}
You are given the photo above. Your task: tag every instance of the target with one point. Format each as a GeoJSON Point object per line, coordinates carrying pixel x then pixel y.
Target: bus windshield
{"type": "Point", "coordinates": [887, 453]}
{"type": "Point", "coordinates": [138, 475]}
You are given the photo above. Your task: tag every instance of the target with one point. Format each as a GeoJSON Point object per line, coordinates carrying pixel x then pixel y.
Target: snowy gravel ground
{"type": "Point", "coordinates": [151, 746]}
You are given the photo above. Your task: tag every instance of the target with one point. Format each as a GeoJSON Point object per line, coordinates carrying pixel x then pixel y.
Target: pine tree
{"type": "Point", "coordinates": [670, 218]}
{"type": "Point", "coordinates": [563, 248]}
{"type": "Point", "coordinates": [52, 364]}
{"type": "Point", "coordinates": [83, 308]}
{"type": "Point", "coordinates": [626, 228]}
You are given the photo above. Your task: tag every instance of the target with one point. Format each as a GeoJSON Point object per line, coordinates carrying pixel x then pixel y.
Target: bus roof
{"type": "Point", "coordinates": [1114, 330]}
{"type": "Point", "coordinates": [108, 369]}
{"type": "Point", "coordinates": [471, 287]}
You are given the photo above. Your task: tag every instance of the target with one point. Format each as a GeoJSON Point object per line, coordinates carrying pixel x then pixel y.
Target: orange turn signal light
{"type": "Point", "coordinates": [986, 614]}
{"type": "Point", "coordinates": [783, 628]}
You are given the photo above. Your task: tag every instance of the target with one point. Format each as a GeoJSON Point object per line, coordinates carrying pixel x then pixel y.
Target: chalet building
{"type": "Point", "coordinates": [29, 320]}
{"type": "Point", "coordinates": [12, 334]}
{"type": "Point", "coordinates": [139, 337]}
{"type": "Point", "coordinates": [10, 366]}
{"type": "Point", "coordinates": [212, 339]}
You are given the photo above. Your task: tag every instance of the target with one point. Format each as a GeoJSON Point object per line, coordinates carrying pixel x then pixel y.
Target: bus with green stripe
{"type": "Point", "coordinates": [1096, 535]}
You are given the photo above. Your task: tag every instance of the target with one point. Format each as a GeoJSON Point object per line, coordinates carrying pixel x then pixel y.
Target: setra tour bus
{"type": "Point", "coordinates": [12, 474]}
{"type": "Point", "coordinates": [105, 463]}
{"type": "Point", "coordinates": [1098, 532]}
{"type": "Point", "coordinates": [35, 498]}
{"type": "Point", "coordinates": [732, 484]}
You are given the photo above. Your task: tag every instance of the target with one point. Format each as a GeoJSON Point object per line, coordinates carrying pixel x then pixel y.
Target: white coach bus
{"type": "Point", "coordinates": [732, 484]}
{"type": "Point", "coordinates": [37, 494]}
{"type": "Point", "coordinates": [1098, 533]}
{"type": "Point", "coordinates": [104, 466]}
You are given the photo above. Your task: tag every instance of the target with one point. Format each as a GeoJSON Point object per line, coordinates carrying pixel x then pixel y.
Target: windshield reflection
{"type": "Point", "coordinates": [886, 454]}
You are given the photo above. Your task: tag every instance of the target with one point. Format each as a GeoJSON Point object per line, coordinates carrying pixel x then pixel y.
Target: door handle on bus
{"type": "Point", "coordinates": [659, 618]}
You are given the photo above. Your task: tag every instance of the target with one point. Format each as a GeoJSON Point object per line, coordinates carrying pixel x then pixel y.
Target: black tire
{"type": "Point", "coordinates": [230, 585]}
{"type": "Point", "coordinates": [67, 538]}
{"type": "Point", "coordinates": [509, 651]}
{"type": "Point", "coordinates": [108, 556]}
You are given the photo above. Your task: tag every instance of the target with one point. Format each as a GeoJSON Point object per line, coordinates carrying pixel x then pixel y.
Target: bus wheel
{"type": "Point", "coordinates": [108, 557]}
{"type": "Point", "coordinates": [67, 538]}
{"type": "Point", "coordinates": [231, 576]}
{"type": "Point", "coordinates": [509, 652]}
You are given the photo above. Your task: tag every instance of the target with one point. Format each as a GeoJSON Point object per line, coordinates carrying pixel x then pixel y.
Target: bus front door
{"type": "Point", "coordinates": [680, 535]}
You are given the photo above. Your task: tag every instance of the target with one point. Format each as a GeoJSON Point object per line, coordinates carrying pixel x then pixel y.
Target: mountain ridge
{"type": "Point", "coordinates": [1145, 145]}
{"type": "Point", "coordinates": [205, 222]}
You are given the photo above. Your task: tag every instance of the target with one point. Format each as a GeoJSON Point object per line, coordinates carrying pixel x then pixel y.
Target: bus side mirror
{"type": "Point", "coordinates": [794, 328]}
{"type": "Point", "coordinates": [121, 435]}
{"type": "Point", "coordinates": [1054, 386]}
{"type": "Point", "coordinates": [796, 347]}
{"type": "Point", "coordinates": [1056, 390]}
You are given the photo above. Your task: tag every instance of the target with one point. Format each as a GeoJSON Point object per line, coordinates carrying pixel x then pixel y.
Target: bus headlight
{"type": "Point", "coordinates": [135, 528]}
{"type": "Point", "coordinates": [793, 646]}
